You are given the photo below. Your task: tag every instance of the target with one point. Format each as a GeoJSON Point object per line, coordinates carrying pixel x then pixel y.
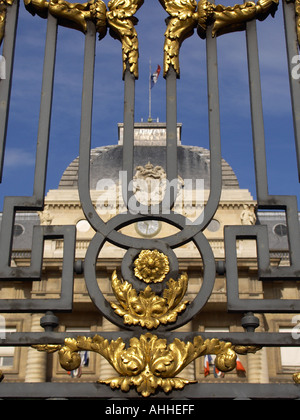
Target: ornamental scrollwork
{"type": "Point", "coordinates": [146, 308]}
{"type": "Point", "coordinates": [149, 362]}
{"type": "Point", "coordinates": [119, 18]}
{"type": "Point", "coordinates": [151, 266]}
{"type": "Point", "coordinates": [71, 15]}
{"type": "Point", "coordinates": [185, 16]}
{"type": "Point", "coordinates": [122, 21]}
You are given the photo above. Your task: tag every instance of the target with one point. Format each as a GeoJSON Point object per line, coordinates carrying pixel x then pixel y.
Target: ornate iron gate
{"type": "Point", "coordinates": [146, 354]}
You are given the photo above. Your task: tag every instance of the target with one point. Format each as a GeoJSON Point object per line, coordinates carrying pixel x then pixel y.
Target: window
{"type": "Point", "coordinates": [214, 226]}
{"type": "Point", "coordinates": [83, 226]}
{"type": "Point", "coordinates": [18, 230]}
{"type": "Point", "coordinates": [85, 355]}
{"type": "Point", "coordinates": [290, 356]}
{"type": "Point", "coordinates": [7, 353]}
{"type": "Point", "coordinates": [280, 230]}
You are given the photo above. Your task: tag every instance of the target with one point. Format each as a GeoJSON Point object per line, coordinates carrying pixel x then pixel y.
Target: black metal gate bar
{"type": "Point", "coordinates": [36, 202]}
{"type": "Point", "coordinates": [5, 84]}
{"type": "Point", "coordinates": [287, 203]}
{"type": "Point", "coordinates": [203, 391]}
{"type": "Point", "coordinates": [214, 129]}
{"type": "Point", "coordinates": [86, 129]}
{"type": "Point", "coordinates": [292, 49]}
{"type": "Point", "coordinates": [172, 159]}
{"type": "Point", "coordinates": [128, 137]}
{"type": "Point", "coordinates": [259, 339]}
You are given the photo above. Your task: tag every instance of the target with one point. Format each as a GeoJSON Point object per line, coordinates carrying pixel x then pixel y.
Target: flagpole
{"type": "Point", "coordinates": [150, 99]}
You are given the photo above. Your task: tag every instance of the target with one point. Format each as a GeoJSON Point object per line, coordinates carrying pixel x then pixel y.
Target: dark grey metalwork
{"type": "Point", "coordinates": [5, 84]}
{"type": "Point", "coordinates": [110, 231]}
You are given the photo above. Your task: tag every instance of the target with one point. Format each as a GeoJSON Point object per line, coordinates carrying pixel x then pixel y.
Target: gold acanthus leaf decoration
{"type": "Point", "coordinates": [71, 15]}
{"type": "Point", "coordinates": [121, 21]}
{"type": "Point", "coordinates": [3, 12]}
{"type": "Point", "coordinates": [151, 266]}
{"type": "Point", "coordinates": [120, 18]}
{"type": "Point", "coordinates": [149, 362]}
{"type": "Point", "coordinates": [146, 308]}
{"type": "Point", "coordinates": [185, 17]}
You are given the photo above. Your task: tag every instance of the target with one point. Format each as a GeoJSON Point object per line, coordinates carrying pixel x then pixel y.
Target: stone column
{"type": "Point", "coordinates": [258, 372]}
{"type": "Point", "coordinates": [106, 370]}
{"type": "Point", "coordinates": [189, 371]}
{"type": "Point", "coordinates": [36, 361]}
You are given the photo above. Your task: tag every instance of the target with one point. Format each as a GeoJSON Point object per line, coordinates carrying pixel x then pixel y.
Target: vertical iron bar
{"type": "Point", "coordinates": [257, 113]}
{"type": "Point", "coordinates": [292, 51]}
{"type": "Point", "coordinates": [287, 203]}
{"type": "Point", "coordinates": [128, 139]}
{"type": "Point", "coordinates": [36, 202]}
{"type": "Point", "coordinates": [214, 128]}
{"type": "Point", "coordinates": [86, 130]}
{"type": "Point", "coordinates": [45, 112]}
{"type": "Point", "coordinates": [5, 84]}
{"type": "Point", "coordinates": [172, 160]}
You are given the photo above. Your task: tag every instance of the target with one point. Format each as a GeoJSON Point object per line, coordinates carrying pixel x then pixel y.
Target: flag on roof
{"type": "Point", "coordinates": [154, 76]}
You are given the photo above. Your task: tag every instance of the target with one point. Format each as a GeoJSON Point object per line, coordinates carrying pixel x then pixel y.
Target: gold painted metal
{"type": "Point", "coordinates": [3, 12]}
{"type": "Point", "coordinates": [121, 21]}
{"type": "Point", "coordinates": [296, 378]}
{"type": "Point", "coordinates": [232, 19]}
{"type": "Point", "coordinates": [120, 18]}
{"type": "Point", "coordinates": [151, 266]}
{"type": "Point", "coordinates": [48, 348]}
{"type": "Point", "coordinates": [71, 15]}
{"type": "Point", "coordinates": [185, 17]}
{"type": "Point", "coordinates": [146, 308]}
{"type": "Point", "coordinates": [181, 25]}
{"type": "Point", "coordinates": [149, 362]}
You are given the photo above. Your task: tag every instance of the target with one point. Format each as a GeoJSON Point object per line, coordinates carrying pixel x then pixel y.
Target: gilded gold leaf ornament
{"type": "Point", "coordinates": [185, 16]}
{"type": "Point", "coordinates": [181, 25]}
{"type": "Point", "coordinates": [232, 18]}
{"type": "Point", "coordinates": [3, 12]}
{"type": "Point", "coordinates": [146, 308]}
{"type": "Point", "coordinates": [71, 15]}
{"type": "Point", "coordinates": [151, 266]}
{"type": "Point", "coordinates": [149, 362]}
{"type": "Point", "coordinates": [122, 21]}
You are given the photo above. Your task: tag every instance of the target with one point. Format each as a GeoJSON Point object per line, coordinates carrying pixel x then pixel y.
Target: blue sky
{"type": "Point", "coordinates": [108, 99]}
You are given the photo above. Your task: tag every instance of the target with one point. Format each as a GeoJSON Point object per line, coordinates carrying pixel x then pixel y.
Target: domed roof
{"type": "Point", "coordinates": [106, 163]}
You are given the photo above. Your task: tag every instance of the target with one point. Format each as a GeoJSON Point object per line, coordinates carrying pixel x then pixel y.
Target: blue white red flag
{"type": "Point", "coordinates": [207, 362]}
{"type": "Point", "coordinates": [154, 76]}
